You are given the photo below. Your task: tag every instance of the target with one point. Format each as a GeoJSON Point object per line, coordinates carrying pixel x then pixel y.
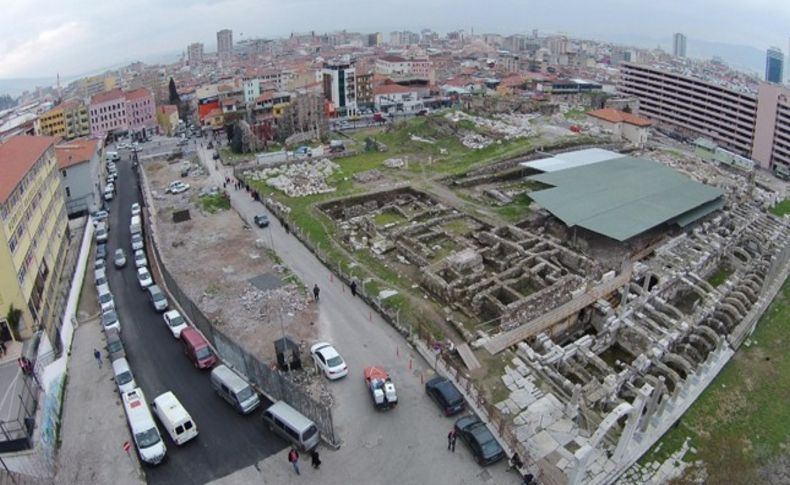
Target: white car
{"type": "Point", "coordinates": [106, 300]}
{"type": "Point", "coordinates": [175, 322]}
{"type": "Point", "coordinates": [109, 319]}
{"type": "Point", "coordinates": [101, 235]}
{"type": "Point", "coordinates": [140, 259]}
{"type": "Point", "coordinates": [137, 242]}
{"type": "Point", "coordinates": [144, 277]}
{"type": "Point", "coordinates": [329, 361]}
{"type": "Point", "coordinates": [135, 209]}
{"type": "Point", "coordinates": [177, 187]}
{"type": "Point", "coordinates": [108, 195]}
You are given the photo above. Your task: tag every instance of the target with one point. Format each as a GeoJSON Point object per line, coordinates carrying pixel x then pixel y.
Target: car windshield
{"type": "Point", "coordinates": [334, 361]}
{"type": "Point", "coordinates": [159, 296]}
{"type": "Point", "coordinates": [114, 346]}
{"type": "Point", "coordinates": [245, 394]}
{"type": "Point", "coordinates": [105, 297]}
{"type": "Point", "coordinates": [137, 238]}
{"type": "Point", "coordinates": [203, 353]}
{"type": "Point", "coordinates": [176, 321]}
{"type": "Point", "coordinates": [147, 438]}
{"type": "Point", "coordinates": [109, 318]}
{"type": "Point", "coordinates": [309, 433]}
{"type": "Point", "coordinates": [124, 377]}
{"type": "Point", "coordinates": [143, 275]}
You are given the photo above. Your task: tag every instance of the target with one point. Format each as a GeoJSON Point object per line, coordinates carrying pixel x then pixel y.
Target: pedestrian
{"type": "Point", "coordinates": [315, 460]}
{"type": "Point", "coordinates": [353, 288]}
{"type": "Point", "coordinates": [3, 349]}
{"type": "Point", "coordinates": [515, 462]}
{"type": "Point", "coordinates": [97, 356]}
{"type": "Point", "coordinates": [287, 229]}
{"type": "Point", "coordinates": [451, 437]}
{"type": "Point", "coordinates": [224, 185]}
{"type": "Point", "coordinates": [316, 291]}
{"type": "Point", "coordinates": [293, 457]}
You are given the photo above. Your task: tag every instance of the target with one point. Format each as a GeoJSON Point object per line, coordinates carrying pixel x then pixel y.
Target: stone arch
{"type": "Point", "coordinates": [678, 363]}
{"type": "Point", "coordinates": [708, 333]}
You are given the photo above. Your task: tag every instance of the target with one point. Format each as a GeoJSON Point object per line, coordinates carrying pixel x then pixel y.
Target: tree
{"type": "Point", "coordinates": [174, 97]}
{"type": "Point", "coordinates": [14, 317]}
{"type": "Point", "coordinates": [6, 101]}
{"type": "Point", "coordinates": [236, 141]}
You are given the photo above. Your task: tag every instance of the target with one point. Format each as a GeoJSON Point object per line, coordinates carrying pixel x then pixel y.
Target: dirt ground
{"type": "Point", "coordinates": [213, 257]}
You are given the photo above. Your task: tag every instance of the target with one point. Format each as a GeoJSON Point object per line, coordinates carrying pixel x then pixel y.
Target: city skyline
{"type": "Point", "coordinates": [91, 35]}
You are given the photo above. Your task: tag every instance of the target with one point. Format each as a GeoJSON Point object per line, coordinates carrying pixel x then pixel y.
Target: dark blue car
{"type": "Point", "coordinates": [479, 439]}
{"type": "Point", "coordinates": [446, 395]}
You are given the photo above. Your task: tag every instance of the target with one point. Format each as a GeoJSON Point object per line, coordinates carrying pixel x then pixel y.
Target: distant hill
{"type": "Point", "coordinates": [742, 57]}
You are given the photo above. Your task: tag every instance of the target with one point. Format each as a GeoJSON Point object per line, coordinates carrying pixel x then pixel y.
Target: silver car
{"type": "Point", "coordinates": [158, 298]}
{"type": "Point", "coordinates": [140, 259]}
{"type": "Point", "coordinates": [120, 258]}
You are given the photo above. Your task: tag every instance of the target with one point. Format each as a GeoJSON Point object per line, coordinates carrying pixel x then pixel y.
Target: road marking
{"type": "Point", "coordinates": [8, 393]}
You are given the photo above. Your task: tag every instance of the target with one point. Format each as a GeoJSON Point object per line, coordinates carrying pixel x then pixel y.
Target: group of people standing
{"type": "Point", "coordinates": [293, 458]}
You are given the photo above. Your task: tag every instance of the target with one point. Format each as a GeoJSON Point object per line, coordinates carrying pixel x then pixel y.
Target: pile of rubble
{"type": "Point", "coordinates": [271, 306]}
{"type": "Point", "coordinates": [367, 176]}
{"type": "Point", "coordinates": [299, 179]}
{"type": "Point", "coordinates": [475, 141]}
{"type": "Point", "coordinates": [506, 126]}
{"type": "Point", "coordinates": [394, 163]}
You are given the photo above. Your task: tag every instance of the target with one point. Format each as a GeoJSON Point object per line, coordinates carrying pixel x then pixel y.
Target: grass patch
{"type": "Point", "coordinates": [516, 210]}
{"type": "Point", "coordinates": [576, 114]}
{"type": "Point", "coordinates": [742, 420]}
{"type": "Point", "coordinates": [387, 217]}
{"type": "Point", "coordinates": [215, 203]}
{"type": "Point", "coordinates": [720, 276]}
{"type": "Point", "coordinates": [781, 209]}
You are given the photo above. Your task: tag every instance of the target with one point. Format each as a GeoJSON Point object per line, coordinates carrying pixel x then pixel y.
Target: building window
{"type": "Point", "coordinates": [68, 192]}
{"type": "Point", "coordinates": [64, 173]}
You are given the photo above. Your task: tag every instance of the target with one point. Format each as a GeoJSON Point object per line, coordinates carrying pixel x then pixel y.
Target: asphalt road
{"type": "Point", "coordinates": [227, 440]}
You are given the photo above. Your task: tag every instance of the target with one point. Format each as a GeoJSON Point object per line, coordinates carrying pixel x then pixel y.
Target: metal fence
{"type": "Point", "coordinates": [270, 380]}
{"type": "Point", "coordinates": [16, 433]}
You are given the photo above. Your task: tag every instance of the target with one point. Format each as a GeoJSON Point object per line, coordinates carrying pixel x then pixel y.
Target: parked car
{"type": "Point", "coordinates": [175, 322]}
{"type": "Point", "coordinates": [177, 187]}
{"type": "Point", "coordinates": [115, 349]}
{"type": "Point", "coordinates": [261, 220]}
{"type": "Point", "coordinates": [120, 258]}
{"type": "Point", "coordinates": [446, 395]}
{"type": "Point", "coordinates": [144, 277]}
{"type": "Point", "coordinates": [101, 235]}
{"type": "Point", "coordinates": [100, 277]}
{"type": "Point", "coordinates": [99, 216]}
{"type": "Point", "coordinates": [197, 349]}
{"type": "Point", "coordinates": [139, 259]}
{"type": "Point", "coordinates": [479, 439]}
{"type": "Point", "coordinates": [137, 242]}
{"type": "Point", "coordinates": [329, 360]}
{"type": "Point", "coordinates": [109, 319]}
{"type": "Point", "coordinates": [108, 195]}
{"type": "Point", "coordinates": [99, 264]}
{"type": "Point", "coordinates": [158, 298]}
{"type": "Point", "coordinates": [123, 375]}
{"type": "Point", "coordinates": [135, 209]}
{"type": "Point", "coordinates": [106, 301]}
{"type": "Point", "coordinates": [101, 251]}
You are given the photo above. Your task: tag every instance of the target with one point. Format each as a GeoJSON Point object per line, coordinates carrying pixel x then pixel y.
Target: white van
{"type": "Point", "coordinates": [234, 389]}
{"type": "Point", "coordinates": [113, 156]}
{"type": "Point", "coordinates": [123, 375]}
{"type": "Point", "coordinates": [174, 418]}
{"type": "Point", "coordinates": [292, 425]}
{"type": "Point", "coordinates": [135, 226]}
{"type": "Point", "coordinates": [146, 435]}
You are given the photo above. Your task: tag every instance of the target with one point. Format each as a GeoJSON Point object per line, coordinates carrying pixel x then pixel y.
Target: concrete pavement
{"type": "Point", "coordinates": [405, 445]}
{"type": "Point", "coordinates": [94, 426]}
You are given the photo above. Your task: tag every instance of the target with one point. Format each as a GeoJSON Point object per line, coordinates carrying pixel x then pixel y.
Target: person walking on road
{"type": "Point", "coordinates": [451, 437]}
{"type": "Point", "coordinates": [353, 288]}
{"type": "Point", "coordinates": [293, 457]}
{"type": "Point", "coordinates": [316, 291]}
{"type": "Point", "coordinates": [97, 356]}
{"type": "Point", "coordinates": [315, 460]}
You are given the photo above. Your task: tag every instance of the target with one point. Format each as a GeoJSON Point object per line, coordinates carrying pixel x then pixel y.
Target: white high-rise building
{"type": "Point", "coordinates": [679, 45]}
{"type": "Point", "coordinates": [339, 82]}
{"type": "Point", "coordinates": [225, 43]}
{"type": "Point", "coordinates": [195, 54]}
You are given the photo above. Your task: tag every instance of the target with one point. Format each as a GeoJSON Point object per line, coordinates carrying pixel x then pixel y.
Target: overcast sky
{"type": "Point", "coordinates": [40, 38]}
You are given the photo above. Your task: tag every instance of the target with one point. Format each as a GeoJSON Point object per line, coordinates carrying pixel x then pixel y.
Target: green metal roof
{"type": "Point", "coordinates": [625, 196]}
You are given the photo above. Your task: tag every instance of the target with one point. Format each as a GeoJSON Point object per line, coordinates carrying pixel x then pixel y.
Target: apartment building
{"type": "Point", "coordinates": [225, 44]}
{"type": "Point", "coordinates": [67, 120]}
{"type": "Point", "coordinates": [401, 69]}
{"type": "Point", "coordinates": [118, 112]}
{"type": "Point", "coordinates": [79, 162]}
{"type": "Point", "coordinates": [755, 125]}
{"type": "Point", "coordinates": [338, 78]}
{"type": "Point", "coordinates": [195, 54]}
{"type": "Point", "coordinates": [700, 107]}
{"type": "Point", "coordinates": [33, 235]}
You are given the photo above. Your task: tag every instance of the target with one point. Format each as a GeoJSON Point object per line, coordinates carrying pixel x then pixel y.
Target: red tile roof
{"type": "Point", "coordinates": [392, 89]}
{"type": "Point", "coordinates": [138, 94]}
{"type": "Point", "coordinates": [17, 156]}
{"type": "Point", "coordinates": [614, 116]}
{"type": "Point", "coordinates": [74, 152]}
{"type": "Point", "coordinates": [107, 96]}
{"type": "Point", "coordinates": [392, 59]}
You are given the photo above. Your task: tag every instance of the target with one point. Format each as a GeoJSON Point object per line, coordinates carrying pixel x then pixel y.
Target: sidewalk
{"type": "Point", "coordinates": [94, 425]}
